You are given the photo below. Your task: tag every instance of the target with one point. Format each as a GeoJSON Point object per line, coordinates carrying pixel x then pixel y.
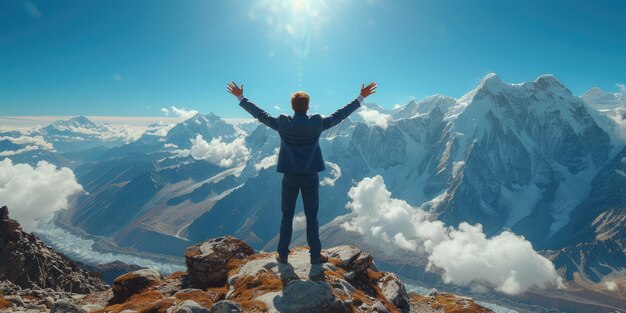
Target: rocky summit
{"type": "Point", "coordinates": [223, 275]}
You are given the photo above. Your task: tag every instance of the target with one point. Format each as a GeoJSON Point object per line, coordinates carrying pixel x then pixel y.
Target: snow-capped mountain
{"type": "Point", "coordinates": [508, 156]}
{"type": "Point", "coordinates": [142, 194]}
{"type": "Point", "coordinates": [75, 122]}
{"type": "Point", "coordinates": [602, 100]}
{"type": "Point", "coordinates": [424, 106]}
{"type": "Point", "coordinates": [80, 133]}
{"type": "Point", "coordinates": [522, 152]}
{"type": "Point", "coordinates": [209, 126]}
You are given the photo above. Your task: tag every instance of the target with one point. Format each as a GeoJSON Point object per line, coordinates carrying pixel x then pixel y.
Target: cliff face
{"type": "Point", "coordinates": [29, 263]}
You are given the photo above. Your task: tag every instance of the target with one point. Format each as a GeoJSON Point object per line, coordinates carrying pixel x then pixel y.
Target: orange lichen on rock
{"type": "Point", "coordinates": [176, 275]}
{"type": "Point", "coordinates": [253, 306]}
{"type": "Point", "coordinates": [148, 301]}
{"type": "Point", "coordinates": [204, 298]}
{"type": "Point", "coordinates": [252, 286]}
{"type": "Point", "coordinates": [5, 304]}
{"type": "Point", "coordinates": [449, 303]}
{"type": "Point", "coordinates": [225, 274]}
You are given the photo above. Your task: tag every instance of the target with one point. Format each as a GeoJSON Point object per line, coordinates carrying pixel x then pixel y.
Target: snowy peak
{"type": "Point", "coordinates": [209, 126]}
{"type": "Point", "coordinates": [426, 105]}
{"type": "Point", "coordinates": [212, 117]}
{"type": "Point", "coordinates": [492, 82]}
{"type": "Point", "coordinates": [375, 107]}
{"type": "Point", "coordinates": [550, 82]}
{"type": "Point", "coordinates": [602, 100]}
{"type": "Point", "coordinates": [78, 122]}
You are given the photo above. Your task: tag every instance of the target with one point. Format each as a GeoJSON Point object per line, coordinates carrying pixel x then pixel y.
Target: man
{"type": "Point", "coordinates": [300, 160]}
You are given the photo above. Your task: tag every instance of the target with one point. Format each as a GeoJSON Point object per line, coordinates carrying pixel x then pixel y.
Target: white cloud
{"type": "Point", "coordinates": [299, 221]}
{"type": "Point", "coordinates": [277, 108]}
{"type": "Point", "coordinates": [19, 151]}
{"type": "Point", "coordinates": [373, 117]}
{"type": "Point", "coordinates": [105, 132]}
{"type": "Point", "coordinates": [506, 262]}
{"type": "Point", "coordinates": [335, 173]}
{"type": "Point", "coordinates": [619, 129]}
{"type": "Point", "coordinates": [159, 129]}
{"type": "Point", "coordinates": [34, 193]}
{"type": "Point", "coordinates": [610, 285]}
{"type": "Point", "coordinates": [621, 87]}
{"type": "Point", "coordinates": [267, 162]}
{"type": "Point", "coordinates": [219, 153]}
{"type": "Point", "coordinates": [180, 112]}
{"type": "Point", "coordinates": [28, 140]}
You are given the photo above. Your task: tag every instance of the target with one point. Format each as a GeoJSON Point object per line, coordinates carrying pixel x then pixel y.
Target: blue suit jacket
{"type": "Point", "coordinates": [300, 151]}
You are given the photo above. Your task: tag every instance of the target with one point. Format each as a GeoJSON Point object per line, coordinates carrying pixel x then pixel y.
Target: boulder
{"type": "Point", "coordinates": [226, 306]}
{"type": "Point", "coordinates": [394, 291]}
{"type": "Point", "coordinates": [134, 282]}
{"type": "Point", "coordinates": [207, 261]}
{"type": "Point", "coordinates": [188, 306]}
{"type": "Point", "coordinates": [65, 306]}
{"type": "Point", "coordinates": [352, 258]}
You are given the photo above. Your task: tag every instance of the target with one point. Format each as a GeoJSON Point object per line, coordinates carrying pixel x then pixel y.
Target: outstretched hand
{"type": "Point", "coordinates": [234, 89]}
{"type": "Point", "coordinates": [368, 90]}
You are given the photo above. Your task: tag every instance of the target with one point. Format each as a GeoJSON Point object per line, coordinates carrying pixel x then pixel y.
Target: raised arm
{"type": "Point", "coordinates": [344, 112]}
{"type": "Point", "coordinates": [255, 111]}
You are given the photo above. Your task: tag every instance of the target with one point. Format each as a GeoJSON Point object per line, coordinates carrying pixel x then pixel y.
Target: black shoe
{"type": "Point", "coordinates": [283, 259]}
{"type": "Point", "coordinates": [317, 259]}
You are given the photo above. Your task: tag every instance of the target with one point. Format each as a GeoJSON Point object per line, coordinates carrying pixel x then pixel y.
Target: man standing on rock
{"type": "Point", "coordinates": [300, 160]}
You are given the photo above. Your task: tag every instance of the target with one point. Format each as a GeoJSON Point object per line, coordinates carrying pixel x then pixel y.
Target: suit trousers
{"type": "Point", "coordinates": [309, 185]}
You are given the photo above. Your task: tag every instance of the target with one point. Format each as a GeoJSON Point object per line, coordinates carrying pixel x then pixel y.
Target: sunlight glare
{"type": "Point", "coordinates": [298, 23]}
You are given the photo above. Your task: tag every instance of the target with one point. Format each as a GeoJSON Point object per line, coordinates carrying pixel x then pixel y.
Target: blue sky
{"type": "Point", "coordinates": [131, 58]}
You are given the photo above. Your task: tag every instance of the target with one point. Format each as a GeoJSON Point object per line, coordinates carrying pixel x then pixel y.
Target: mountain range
{"type": "Point", "coordinates": [531, 158]}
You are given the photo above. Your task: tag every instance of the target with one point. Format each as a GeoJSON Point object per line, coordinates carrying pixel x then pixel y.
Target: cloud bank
{"type": "Point", "coordinates": [30, 143]}
{"type": "Point", "coordinates": [219, 153]}
{"type": "Point", "coordinates": [180, 112]}
{"type": "Point", "coordinates": [34, 193]}
{"type": "Point", "coordinates": [506, 262]}
{"type": "Point", "coordinates": [375, 118]}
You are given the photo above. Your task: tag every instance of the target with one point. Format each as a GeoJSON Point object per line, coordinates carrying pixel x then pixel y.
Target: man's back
{"type": "Point", "coordinates": [299, 144]}
{"type": "Point", "coordinates": [300, 152]}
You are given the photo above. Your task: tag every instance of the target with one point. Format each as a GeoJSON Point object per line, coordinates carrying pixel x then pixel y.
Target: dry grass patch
{"type": "Point", "coordinates": [336, 273]}
{"type": "Point", "coordinates": [29, 297]}
{"type": "Point", "coordinates": [204, 298]}
{"type": "Point", "coordinates": [450, 303]}
{"type": "Point", "coordinates": [247, 288]}
{"type": "Point", "coordinates": [254, 306]}
{"type": "Point", "coordinates": [233, 266]}
{"type": "Point", "coordinates": [5, 304]}
{"type": "Point", "coordinates": [335, 261]}
{"type": "Point", "coordinates": [149, 301]}
{"type": "Point", "coordinates": [217, 294]}
{"type": "Point", "coordinates": [177, 275]}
